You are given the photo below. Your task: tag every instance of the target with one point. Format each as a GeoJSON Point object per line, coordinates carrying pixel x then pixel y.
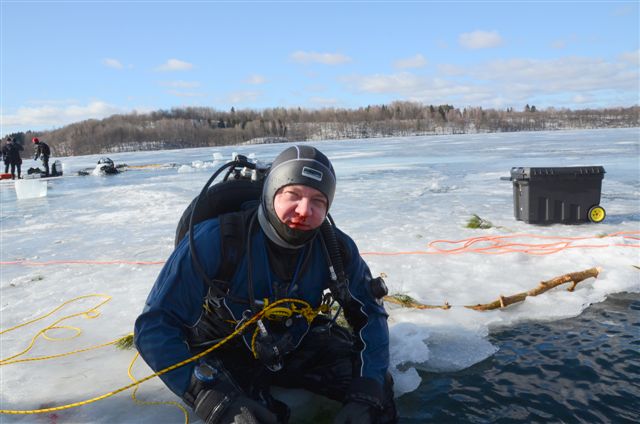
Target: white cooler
{"type": "Point", "coordinates": [30, 188]}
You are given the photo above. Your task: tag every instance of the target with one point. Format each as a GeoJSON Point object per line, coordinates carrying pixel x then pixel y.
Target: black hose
{"type": "Point", "coordinates": [238, 161]}
{"type": "Point", "coordinates": [336, 266]}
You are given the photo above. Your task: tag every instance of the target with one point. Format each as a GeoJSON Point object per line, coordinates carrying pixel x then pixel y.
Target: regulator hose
{"type": "Point", "coordinates": [240, 161]}
{"type": "Point", "coordinates": [336, 266]}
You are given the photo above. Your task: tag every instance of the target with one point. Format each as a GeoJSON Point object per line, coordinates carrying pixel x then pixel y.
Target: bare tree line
{"type": "Point", "coordinates": [201, 127]}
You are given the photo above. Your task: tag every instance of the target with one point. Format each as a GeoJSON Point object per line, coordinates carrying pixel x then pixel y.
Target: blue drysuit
{"type": "Point", "coordinates": [175, 303]}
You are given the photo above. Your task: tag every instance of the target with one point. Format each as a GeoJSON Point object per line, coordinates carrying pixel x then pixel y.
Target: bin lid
{"type": "Point", "coordinates": [529, 173]}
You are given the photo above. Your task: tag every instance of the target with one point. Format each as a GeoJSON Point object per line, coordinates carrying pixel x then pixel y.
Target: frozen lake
{"type": "Point", "coordinates": [106, 234]}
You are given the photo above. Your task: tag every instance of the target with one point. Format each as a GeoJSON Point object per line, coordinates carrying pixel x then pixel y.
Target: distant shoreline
{"type": "Point", "coordinates": [204, 127]}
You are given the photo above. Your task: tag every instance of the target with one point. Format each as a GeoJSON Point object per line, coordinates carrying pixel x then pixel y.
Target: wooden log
{"type": "Point", "coordinates": [574, 278]}
{"type": "Point", "coordinates": [504, 301]}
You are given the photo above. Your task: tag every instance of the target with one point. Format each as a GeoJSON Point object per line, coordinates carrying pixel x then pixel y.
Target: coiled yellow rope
{"type": "Point", "coordinates": [90, 313]}
{"type": "Point", "coordinates": [305, 308]}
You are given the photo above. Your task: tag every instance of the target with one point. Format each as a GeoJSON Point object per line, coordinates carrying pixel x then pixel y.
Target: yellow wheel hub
{"type": "Point", "coordinates": [597, 214]}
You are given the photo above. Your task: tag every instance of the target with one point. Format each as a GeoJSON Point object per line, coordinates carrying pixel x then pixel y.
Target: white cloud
{"type": "Point", "coordinates": [256, 79]}
{"type": "Point", "coordinates": [621, 11]}
{"type": "Point", "coordinates": [55, 116]}
{"type": "Point", "coordinates": [185, 93]}
{"type": "Point", "coordinates": [581, 99]}
{"type": "Point", "coordinates": [563, 74]}
{"type": "Point", "coordinates": [480, 39]}
{"type": "Point", "coordinates": [633, 58]}
{"type": "Point", "coordinates": [562, 82]}
{"type": "Point", "coordinates": [558, 44]}
{"type": "Point", "coordinates": [323, 101]}
{"type": "Point", "coordinates": [396, 83]}
{"type": "Point", "coordinates": [407, 86]}
{"type": "Point", "coordinates": [112, 63]}
{"type": "Point", "coordinates": [451, 70]}
{"type": "Point", "coordinates": [324, 58]}
{"type": "Point", "coordinates": [417, 61]}
{"type": "Point", "coordinates": [240, 97]}
{"type": "Point", "coordinates": [315, 88]}
{"type": "Point", "coordinates": [180, 84]}
{"type": "Point", "coordinates": [174, 65]}
{"type": "Point", "coordinates": [442, 44]}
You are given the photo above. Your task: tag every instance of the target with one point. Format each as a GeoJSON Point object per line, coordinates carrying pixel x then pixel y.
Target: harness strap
{"type": "Point", "coordinates": [233, 241]}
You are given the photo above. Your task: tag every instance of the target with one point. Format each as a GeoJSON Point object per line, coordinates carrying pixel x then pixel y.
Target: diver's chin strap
{"type": "Point", "coordinates": [271, 232]}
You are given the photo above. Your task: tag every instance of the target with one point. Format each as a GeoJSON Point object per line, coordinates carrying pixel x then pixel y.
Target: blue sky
{"type": "Point", "coordinates": [64, 62]}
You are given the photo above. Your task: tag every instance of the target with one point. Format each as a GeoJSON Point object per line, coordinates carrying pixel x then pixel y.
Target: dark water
{"type": "Point", "coordinates": [579, 370]}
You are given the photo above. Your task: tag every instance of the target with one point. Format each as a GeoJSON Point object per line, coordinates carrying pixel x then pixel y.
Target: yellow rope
{"type": "Point", "coordinates": [59, 355]}
{"type": "Point", "coordinates": [136, 383]}
{"type": "Point", "coordinates": [94, 309]}
{"type": "Point", "coordinates": [274, 312]}
{"type": "Point", "coordinates": [90, 313]}
{"type": "Point", "coordinates": [152, 403]}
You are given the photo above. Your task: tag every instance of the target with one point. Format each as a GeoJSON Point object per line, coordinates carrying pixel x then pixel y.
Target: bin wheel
{"type": "Point", "coordinates": [597, 214]}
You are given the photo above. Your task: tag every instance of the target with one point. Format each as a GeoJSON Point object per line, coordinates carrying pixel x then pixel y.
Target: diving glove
{"type": "Point", "coordinates": [214, 407]}
{"type": "Point", "coordinates": [216, 399]}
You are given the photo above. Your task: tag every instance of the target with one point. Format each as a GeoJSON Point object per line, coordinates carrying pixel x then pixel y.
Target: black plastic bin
{"type": "Point", "coordinates": [568, 195]}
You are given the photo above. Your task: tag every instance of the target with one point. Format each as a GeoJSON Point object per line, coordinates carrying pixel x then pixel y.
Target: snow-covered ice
{"type": "Point", "coordinates": [94, 235]}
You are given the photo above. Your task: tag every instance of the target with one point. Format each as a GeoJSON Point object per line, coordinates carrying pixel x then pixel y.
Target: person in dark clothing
{"type": "Point", "coordinates": [14, 158]}
{"type": "Point", "coordinates": [5, 154]}
{"type": "Point", "coordinates": [43, 151]}
{"type": "Point", "coordinates": [106, 166]}
{"type": "Point", "coordinates": [284, 257]}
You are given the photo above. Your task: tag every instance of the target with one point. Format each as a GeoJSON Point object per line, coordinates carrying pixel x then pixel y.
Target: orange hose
{"type": "Point", "coordinates": [497, 245]}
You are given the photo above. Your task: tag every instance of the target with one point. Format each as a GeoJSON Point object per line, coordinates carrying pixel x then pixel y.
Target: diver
{"type": "Point", "coordinates": [105, 166]}
{"type": "Point", "coordinates": [281, 253]}
{"type": "Point", "coordinates": [44, 152]}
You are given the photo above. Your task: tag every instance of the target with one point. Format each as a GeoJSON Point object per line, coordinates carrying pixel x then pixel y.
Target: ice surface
{"type": "Point", "coordinates": [94, 235]}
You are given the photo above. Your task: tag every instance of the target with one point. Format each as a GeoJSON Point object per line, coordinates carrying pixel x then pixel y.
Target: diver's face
{"type": "Point", "coordinates": [300, 207]}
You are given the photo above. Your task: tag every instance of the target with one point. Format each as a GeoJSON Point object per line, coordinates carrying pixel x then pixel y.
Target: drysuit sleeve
{"type": "Point", "coordinates": [175, 303]}
{"type": "Point", "coordinates": [368, 318]}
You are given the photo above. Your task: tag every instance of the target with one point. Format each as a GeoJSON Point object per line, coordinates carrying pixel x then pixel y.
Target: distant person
{"type": "Point", "coordinates": [43, 151]}
{"type": "Point", "coordinates": [106, 166]}
{"type": "Point", "coordinates": [15, 160]}
{"type": "Point", "coordinates": [5, 154]}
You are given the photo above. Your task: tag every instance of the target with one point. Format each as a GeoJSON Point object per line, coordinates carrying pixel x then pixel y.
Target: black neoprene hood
{"type": "Point", "coordinates": [303, 165]}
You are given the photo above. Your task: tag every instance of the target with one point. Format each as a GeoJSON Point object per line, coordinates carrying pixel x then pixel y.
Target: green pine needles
{"type": "Point", "coordinates": [125, 343]}
{"type": "Point", "coordinates": [476, 222]}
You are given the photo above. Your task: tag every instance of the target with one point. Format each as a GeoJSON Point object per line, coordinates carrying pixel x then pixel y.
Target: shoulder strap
{"type": "Point", "coordinates": [233, 235]}
{"type": "Point", "coordinates": [233, 241]}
